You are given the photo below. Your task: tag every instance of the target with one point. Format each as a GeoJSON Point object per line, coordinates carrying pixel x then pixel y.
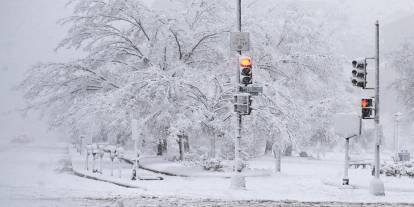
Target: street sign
{"type": "Point", "coordinates": [242, 104]}
{"type": "Point", "coordinates": [347, 125]}
{"type": "Point", "coordinates": [239, 41]}
{"type": "Point", "coordinates": [252, 90]}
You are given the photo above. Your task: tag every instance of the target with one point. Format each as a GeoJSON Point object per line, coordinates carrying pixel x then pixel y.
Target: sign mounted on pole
{"type": "Point", "coordinates": [347, 125]}
{"type": "Point", "coordinates": [252, 90]}
{"type": "Point", "coordinates": [239, 41]}
{"type": "Point", "coordinates": [242, 104]}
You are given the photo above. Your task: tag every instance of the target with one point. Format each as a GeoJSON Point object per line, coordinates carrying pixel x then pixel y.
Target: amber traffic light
{"type": "Point", "coordinates": [246, 74]}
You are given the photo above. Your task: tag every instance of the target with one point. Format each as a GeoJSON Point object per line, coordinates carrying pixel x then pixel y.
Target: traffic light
{"type": "Point", "coordinates": [242, 103]}
{"type": "Point", "coordinates": [366, 108]}
{"type": "Point", "coordinates": [246, 74]}
{"type": "Point", "coordinates": [359, 73]}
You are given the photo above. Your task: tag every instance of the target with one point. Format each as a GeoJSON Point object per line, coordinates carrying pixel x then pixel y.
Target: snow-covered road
{"type": "Point", "coordinates": [182, 202]}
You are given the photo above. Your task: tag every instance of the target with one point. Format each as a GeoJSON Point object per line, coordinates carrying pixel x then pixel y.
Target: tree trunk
{"type": "Point", "coordinates": [159, 148]}
{"type": "Point", "coordinates": [288, 150]}
{"type": "Point", "coordinates": [277, 154]}
{"type": "Point", "coordinates": [268, 147]}
{"type": "Point", "coordinates": [213, 146]}
{"type": "Point", "coordinates": [181, 146]}
{"type": "Point", "coordinates": [162, 147]}
{"type": "Point", "coordinates": [186, 144]}
{"type": "Point", "coordinates": [318, 147]}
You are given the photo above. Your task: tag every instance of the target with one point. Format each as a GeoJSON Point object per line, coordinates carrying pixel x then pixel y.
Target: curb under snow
{"type": "Point", "coordinates": [92, 176]}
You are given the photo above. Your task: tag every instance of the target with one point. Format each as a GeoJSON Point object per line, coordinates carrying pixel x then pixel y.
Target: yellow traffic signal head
{"type": "Point", "coordinates": [245, 61]}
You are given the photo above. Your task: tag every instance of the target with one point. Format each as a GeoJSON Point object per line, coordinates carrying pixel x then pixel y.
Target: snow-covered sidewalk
{"type": "Point", "coordinates": [119, 173]}
{"type": "Point", "coordinates": [158, 164]}
{"type": "Point", "coordinates": [301, 179]}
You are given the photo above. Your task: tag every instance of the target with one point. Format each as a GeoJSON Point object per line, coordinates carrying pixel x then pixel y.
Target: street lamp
{"type": "Point", "coordinates": [396, 141]}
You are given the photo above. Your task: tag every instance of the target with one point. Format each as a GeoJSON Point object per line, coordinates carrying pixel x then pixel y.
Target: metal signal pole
{"type": "Point", "coordinates": [239, 116]}
{"type": "Point", "coordinates": [238, 181]}
{"type": "Point", "coordinates": [377, 105]}
{"type": "Point", "coordinates": [239, 17]}
{"type": "Point", "coordinates": [376, 185]}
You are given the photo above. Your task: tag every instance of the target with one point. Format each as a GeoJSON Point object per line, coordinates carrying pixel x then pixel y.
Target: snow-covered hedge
{"type": "Point", "coordinates": [398, 169]}
{"type": "Point", "coordinates": [212, 164]}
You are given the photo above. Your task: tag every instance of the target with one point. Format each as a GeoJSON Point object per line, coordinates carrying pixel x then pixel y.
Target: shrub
{"type": "Point", "coordinates": [212, 164]}
{"type": "Point", "coordinates": [398, 169]}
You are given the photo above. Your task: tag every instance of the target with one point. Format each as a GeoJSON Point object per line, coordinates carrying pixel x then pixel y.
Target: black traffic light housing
{"type": "Point", "coordinates": [359, 73]}
{"type": "Point", "coordinates": [243, 103]}
{"type": "Point", "coordinates": [246, 74]}
{"type": "Point", "coordinates": [367, 108]}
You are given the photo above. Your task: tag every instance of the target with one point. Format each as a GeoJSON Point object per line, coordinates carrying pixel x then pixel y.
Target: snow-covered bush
{"type": "Point", "coordinates": [410, 172]}
{"type": "Point", "coordinates": [391, 170]}
{"type": "Point", "coordinates": [303, 154]}
{"type": "Point", "coordinates": [209, 164]}
{"type": "Point", "coordinates": [212, 164]}
{"type": "Point", "coordinates": [398, 169]}
{"type": "Point", "coordinates": [190, 160]}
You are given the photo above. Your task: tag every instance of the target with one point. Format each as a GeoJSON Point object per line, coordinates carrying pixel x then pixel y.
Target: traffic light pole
{"type": "Point", "coordinates": [239, 116]}
{"type": "Point", "coordinates": [238, 180]}
{"type": "Point", "coordinates": [376, 185]}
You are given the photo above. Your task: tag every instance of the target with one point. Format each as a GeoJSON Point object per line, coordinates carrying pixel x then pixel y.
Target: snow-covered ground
{"type": "Point", "coordinates": [39, 174]}
{"type": "Point", "coordinates": [301, 179]}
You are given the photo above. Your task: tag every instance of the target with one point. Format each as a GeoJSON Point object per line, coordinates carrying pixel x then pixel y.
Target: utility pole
{"type": "Point", "coordinates": [376, 185]}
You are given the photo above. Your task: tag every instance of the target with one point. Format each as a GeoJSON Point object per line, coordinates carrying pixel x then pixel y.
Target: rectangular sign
{"type": "Point", "coordinates": [239, 41]}
{"type": "Point", "coordinates": [347, 124]}
{"type": "Point", "coordinates": [253, 90]}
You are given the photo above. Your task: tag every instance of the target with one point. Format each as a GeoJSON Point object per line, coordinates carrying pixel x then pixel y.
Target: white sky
{"type": "Point", "coordinates": [29, 34]}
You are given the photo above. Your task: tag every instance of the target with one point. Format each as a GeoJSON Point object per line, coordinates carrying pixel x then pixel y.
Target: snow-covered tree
{"type": "Point", "coordinates": [402, 61]}
{"type": "Point", "coordinates": [297, 66]}
{"type": "Point", "coordinates": [171, 68]}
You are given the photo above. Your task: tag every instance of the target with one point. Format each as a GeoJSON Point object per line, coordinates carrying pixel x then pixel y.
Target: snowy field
{"type": "Point", "coordinates": [39, 174]}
